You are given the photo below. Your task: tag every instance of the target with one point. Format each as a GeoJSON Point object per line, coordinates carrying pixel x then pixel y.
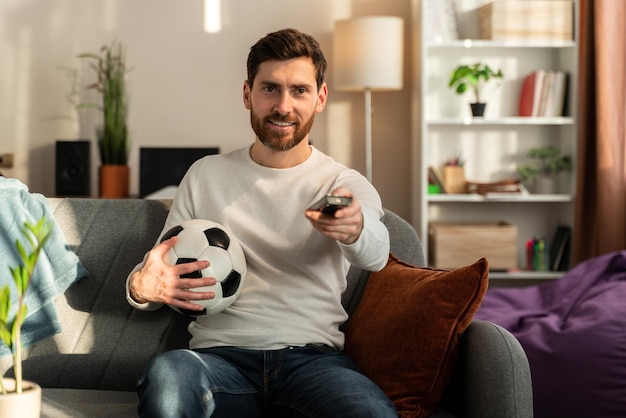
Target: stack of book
{"type": "Point", "coordinates": [544, 94]}
{"type": "Point", "coordinates": [502, 189]}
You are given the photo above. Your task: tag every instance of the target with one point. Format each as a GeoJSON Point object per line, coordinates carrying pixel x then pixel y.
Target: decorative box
{"type": "Point", "coordinates": [527, 20]}
{"type": "Point", "coordinates": [453, 245]}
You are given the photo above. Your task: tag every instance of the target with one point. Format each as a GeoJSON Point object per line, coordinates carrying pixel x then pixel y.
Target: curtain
{"type": "Point", "coordinates": [600, 216]}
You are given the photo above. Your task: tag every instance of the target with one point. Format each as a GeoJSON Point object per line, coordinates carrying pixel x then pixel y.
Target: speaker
{"type": "Point", "coordinates": [73, 168]}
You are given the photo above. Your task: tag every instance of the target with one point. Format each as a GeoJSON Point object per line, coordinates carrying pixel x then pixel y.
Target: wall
{"type": "Point", "coordinates": [186, 84]}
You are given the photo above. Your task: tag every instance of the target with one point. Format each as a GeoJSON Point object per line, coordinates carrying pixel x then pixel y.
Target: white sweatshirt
{"type": "Point", "coordinates": [296, 275]}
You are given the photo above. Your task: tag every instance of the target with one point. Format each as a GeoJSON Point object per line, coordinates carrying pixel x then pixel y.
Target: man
{"type": "Point", "coordinates": [276, 352]}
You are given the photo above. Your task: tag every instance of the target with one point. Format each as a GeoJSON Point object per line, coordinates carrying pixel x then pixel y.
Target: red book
{"type": "Point", "coordinates": [530, 96]}
{"type": "Point", "coordinates": [527, 95]}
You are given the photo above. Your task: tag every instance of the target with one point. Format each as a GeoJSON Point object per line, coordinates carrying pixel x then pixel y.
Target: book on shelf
{"type": "Point", "coordinates": [502, 189]}
{"type": "Point", "coordinates": [544, 94]}
{"type": "Point", "coordinates": [561, 83]}
{"type": "Point", "coordinates": [546, 81]}
{"type": "Point", "coordinates": [529, 95]}
{"type": "Point", "coordinates": [520, 193]}
{"type": "Point", "coordinates": [435, 177]}
{"type": "Point", "coordinates": [560, 248]}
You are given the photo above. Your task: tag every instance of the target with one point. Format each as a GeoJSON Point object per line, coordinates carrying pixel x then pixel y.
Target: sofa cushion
{"type": "Point", "coordinates": [405, 331]}
{"type": "Point", "coordinates": [63, 403]}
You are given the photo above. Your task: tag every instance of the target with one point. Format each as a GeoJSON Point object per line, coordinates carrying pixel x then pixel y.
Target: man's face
{"type": "Point", "coordinates": [283, 102]}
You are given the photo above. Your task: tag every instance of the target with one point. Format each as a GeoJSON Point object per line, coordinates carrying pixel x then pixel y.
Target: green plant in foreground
{"type": "Point", "coordinates": [550, 162]}
{"type": "Point", "coordinates": [110, 68]}
{"type": "Point", "coordinates": [10, 330]}
{"type": "Point", "coordinates": [474, 77]}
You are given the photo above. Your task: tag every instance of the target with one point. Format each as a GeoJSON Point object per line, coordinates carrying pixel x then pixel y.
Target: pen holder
{"type": "Point", "coordinates": [454, 178]}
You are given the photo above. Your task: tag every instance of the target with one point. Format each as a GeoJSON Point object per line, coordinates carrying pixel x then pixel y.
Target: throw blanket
{"type": "Point", "coordinates": [57, 268]}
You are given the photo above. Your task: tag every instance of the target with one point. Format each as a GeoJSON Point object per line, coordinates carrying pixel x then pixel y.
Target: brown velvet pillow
{"type": "Point", "coordinates": [404, 334]}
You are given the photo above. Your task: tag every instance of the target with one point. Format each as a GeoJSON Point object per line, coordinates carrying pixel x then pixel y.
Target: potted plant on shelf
{"type": "Point", "coordinates": [112, 137]}
{"type": "Point", "coordinates": [541, 176]}
{"type": "Point", "coordinates": [474, 77]}
{"type": "Point", "coordinates": [18, 397]}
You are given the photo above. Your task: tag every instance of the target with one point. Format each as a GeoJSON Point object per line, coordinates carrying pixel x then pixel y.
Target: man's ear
{"type": "Point", "coordinates": [246, 94]}
{"type": "Point", "coordinates": [322, 98]}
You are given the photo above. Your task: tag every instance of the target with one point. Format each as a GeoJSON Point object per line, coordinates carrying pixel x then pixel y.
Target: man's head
{"type": "Point", "coordinates": [283, 45]}
{"type": "Point", "coordinates": [285, 88]}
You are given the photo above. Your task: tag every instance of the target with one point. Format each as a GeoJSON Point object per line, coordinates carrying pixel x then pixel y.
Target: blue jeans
{"type": "Point", "coordinates": [231, 382]}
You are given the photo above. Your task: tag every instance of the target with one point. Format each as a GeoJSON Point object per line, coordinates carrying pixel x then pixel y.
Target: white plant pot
{"type": "Point", "coordinates": [545, 185]}
{"type": "Point", "coordinates": [24, 405]}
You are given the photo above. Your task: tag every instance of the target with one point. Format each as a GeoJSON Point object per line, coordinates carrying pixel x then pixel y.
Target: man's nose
{"type": "Point", "coordinates": [284, 104]}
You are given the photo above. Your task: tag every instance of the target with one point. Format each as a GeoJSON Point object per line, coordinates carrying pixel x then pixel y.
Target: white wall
{"type": "Point", "coordinates": [186, 85]}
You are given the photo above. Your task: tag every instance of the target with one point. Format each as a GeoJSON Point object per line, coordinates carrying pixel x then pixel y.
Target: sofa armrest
{"type": "Point", "coordinates": [492, 377]}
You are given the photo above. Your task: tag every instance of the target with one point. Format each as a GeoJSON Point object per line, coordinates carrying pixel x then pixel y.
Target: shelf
{"type": "Point", "coordinates": [510, 121]}
{"type": "Point", "coordinates": [485, 43]}
{"type": "Point", "coordinates": [472, 197]}
{"type": "Point", "coordinates": [493, 147]}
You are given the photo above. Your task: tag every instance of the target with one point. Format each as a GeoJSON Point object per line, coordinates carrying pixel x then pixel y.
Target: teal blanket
{"type": "Point", "coordinates": [57, 269]}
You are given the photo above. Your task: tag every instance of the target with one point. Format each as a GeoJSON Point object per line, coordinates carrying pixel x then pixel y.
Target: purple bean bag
{"type": "Point", "coordinates": [574, 333]}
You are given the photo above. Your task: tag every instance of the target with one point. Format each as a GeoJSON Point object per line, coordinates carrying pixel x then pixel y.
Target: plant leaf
{"type": "Point", "coordinates": [21, 250]}
{"type": "Point", "coordinates": [5, 335]}
{"type": "Point", "coordinates": [5, 304]}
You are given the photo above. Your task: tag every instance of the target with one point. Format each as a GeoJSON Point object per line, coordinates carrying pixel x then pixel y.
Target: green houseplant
{"type": "Point", "coordinates": [113, 138]}
{"type": "Point", "coordinates": [549, 163]}
{"type": "Point", "coordinates": [473, 77]}
{"type": "Point", "coordinates": [17, 399]}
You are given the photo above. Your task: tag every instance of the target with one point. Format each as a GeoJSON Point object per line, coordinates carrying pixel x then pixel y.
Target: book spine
{"type": "Point", "coordinates": [539, 86]}
{"type": "Point", "coordinates": [527, 95]}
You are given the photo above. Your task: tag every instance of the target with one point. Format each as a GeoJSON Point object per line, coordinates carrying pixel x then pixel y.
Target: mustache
{"type": "Point", "coordinates": [277, 117]}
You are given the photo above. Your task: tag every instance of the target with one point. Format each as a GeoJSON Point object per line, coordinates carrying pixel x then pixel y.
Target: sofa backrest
{"type": "Point", "coordinates": [104, 343]}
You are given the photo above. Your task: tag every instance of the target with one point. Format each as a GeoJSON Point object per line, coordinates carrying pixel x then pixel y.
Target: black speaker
{"type": "Point", "coordinates": [73, 168]}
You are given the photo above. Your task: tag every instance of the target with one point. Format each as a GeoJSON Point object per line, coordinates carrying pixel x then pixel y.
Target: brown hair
{"type": "Point", "coordinates": [283, 45]}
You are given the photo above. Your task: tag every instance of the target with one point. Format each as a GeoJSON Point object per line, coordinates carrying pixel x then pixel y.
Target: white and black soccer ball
{"type": "Point", "coordinates": [199, 239]}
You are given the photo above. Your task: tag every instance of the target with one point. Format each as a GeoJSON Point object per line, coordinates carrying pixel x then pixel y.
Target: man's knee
{"type": "Point", "coordinates": [164, 390]}
{"type": "Point", "coordinates": [171, 364]}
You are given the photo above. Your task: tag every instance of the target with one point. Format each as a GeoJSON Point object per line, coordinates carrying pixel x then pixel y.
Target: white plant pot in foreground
{"type": "Point", "coordinates": [24, 405]}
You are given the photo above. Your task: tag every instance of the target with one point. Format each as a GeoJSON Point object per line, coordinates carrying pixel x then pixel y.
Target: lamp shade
{"type": "Point", "coordinates": [368, 53]}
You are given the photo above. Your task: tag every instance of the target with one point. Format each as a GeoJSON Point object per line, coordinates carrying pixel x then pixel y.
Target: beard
{"type": "Point", "coordinates": [279, 141]}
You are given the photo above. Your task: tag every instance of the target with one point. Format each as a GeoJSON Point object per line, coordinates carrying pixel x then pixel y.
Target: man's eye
{"type": "Point", "coordinates": [269, 89]}
{"type": "Point", "coordinates": [301, 91]}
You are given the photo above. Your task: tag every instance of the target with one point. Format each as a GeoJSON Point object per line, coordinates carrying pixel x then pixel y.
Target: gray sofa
{"type": "Point", "coordinates": [91, 368]}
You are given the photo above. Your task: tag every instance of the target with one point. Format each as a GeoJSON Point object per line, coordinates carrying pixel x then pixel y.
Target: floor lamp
{"type": "Point", "coordinates": [368, 57]}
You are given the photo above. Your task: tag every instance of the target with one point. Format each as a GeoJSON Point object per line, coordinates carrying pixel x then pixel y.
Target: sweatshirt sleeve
{"type": "Point", "coordinates": [148, 306]}
{"type": "Point", "coordinates": [371, 250]}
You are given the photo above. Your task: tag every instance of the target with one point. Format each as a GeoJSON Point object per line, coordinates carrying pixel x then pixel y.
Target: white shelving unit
{"type": "Point", "coordinates": [493, 146]}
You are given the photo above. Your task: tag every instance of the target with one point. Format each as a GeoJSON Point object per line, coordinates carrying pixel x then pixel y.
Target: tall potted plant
{"type": "Point", "coordinates": [473, 77]}
{"type": "Point", "coordinates": [112, 136]}
{"type": "Point", "coordinates": [18, 397]}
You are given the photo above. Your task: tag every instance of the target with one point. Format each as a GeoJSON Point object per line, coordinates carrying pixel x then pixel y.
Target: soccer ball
{"type": "Point", "coordinates": [199, 239]}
